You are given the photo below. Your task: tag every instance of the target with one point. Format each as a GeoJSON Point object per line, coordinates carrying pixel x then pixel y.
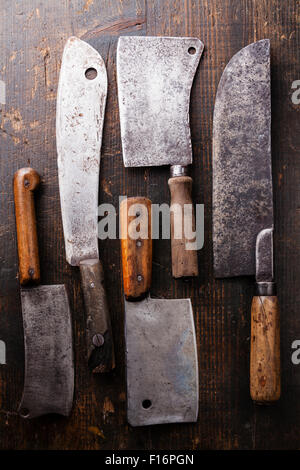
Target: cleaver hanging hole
{"type": "Point", "coordinates": [146, 404]}
{"type": "Point", "coordinates": [91, 73]}
{"type": "Point", "coordinates": [192, 50]}
{"type": "Point", "coordinates": [24, 413]}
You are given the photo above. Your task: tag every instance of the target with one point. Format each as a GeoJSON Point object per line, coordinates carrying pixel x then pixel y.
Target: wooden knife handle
{"type": "Point", "coordinates": [135, 219]}
{"type": "Point", "coordinates": [101, 356]}
{"type": "Point", "coordinates": [265, 350]}
{"type": "Point", "coordinates": [26, 180]}
{"type": "Point", "coordinates": [184, 262]}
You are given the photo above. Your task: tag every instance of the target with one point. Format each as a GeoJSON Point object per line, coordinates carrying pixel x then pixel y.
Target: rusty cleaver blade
{"type": "Point", "coordinates": [155, 76]}
{"type": "Point", "coordinates": [161, 350]}
{"type": "Point", "coordinates": [81, 100]}
{"type": "Point", "coordinates": [243, 203]}
{"type": "Point", "coordinates": [49, 368]}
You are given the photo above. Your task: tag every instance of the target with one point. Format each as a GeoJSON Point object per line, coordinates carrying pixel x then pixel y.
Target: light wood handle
{"type": "Point", "coordinates": [26, 180]}
{"type": "Point", "coordinates": [101, 357]}
{"type": "Point", "coordinates": [184, 262]}
{"type": "Point", "coordinates": [265, 350]}
{"type": "Point", "coordinates": [136, 252]}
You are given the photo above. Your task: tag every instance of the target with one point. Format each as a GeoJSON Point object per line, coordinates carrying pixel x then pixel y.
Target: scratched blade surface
{"type": "Point", "coordinates": [79, 123]}
{"type": "Point", "coordinates": [161, 362]}
{"type": "Point", "coordinates": [49, 368]}
{"type": "Point", "coordinates": [155, 76]}
{"type": "Point", "coordinates": [242, 173]}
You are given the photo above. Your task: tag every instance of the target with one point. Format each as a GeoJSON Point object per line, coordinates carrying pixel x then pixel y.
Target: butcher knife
{"type": "Point", "coordinates": [81, 99]}
{"type": "Point", "coordinates": [49, 369]}
{"type": "Point", "coordinates": [161, 350]}
{"type": "Point", "coordinates": [243, 203]}
{"type": "Point", "coordinates": [155, 76]}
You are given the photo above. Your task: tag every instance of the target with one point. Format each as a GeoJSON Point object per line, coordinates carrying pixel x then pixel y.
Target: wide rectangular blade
{"type": "Point", "coordinates": [161, 358]}
{"type": "Point", "coordinates": [81, 102]}
{"type": "Point", "coordinates": [155, 76]}
{"type": "Point", "coordinates": [242, 172]}
{"type": "Point", "coordinates": [49, 368]}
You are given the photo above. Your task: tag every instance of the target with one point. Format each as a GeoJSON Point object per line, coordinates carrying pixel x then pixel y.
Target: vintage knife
{"type": "Point", "coordinates": [243, 203]}
{"type": "Point", "coordinates": [155, 76]}
{"type": "Point", "coordinates": [49, 368]}
{"type": "Point", "coordinates": [161, 349]}
{"type": "Point", "coordinates": [81, 102]}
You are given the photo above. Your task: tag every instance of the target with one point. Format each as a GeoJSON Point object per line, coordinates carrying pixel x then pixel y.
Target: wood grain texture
{"type": "Point", "coordinates": [32, 41]}
{"type": "Point", "coordinates": [265, 383]}
{"type": "Point", "coordinates": [26, 181]}
{"type": "Point", "coordinates": [136, 246]}
{"type": "Point", "coordinates": [184, 262]}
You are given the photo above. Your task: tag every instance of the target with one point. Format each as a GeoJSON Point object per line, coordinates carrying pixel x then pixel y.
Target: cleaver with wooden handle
{"type": "Point", "coordinates": [155, 76]}
{"type": "Point", "coordinates": [243, 203]}
{"type": "Point", "coordinates": [81, 100]}
{"type": "Point", "coordinates": [49, 368]}
{"type": "Point", "coordinates": [161, 350]}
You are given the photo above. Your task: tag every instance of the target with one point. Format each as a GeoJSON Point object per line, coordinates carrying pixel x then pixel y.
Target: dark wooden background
{"type": "Point", "coordinates": [32, 37]}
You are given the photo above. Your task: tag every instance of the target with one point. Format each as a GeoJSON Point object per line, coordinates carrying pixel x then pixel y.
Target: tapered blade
{"type": "Point", "coordinates": [155, 76]}
{"type": "Point", "coordinates": [242, 174]}
{"type": "Point", "coordinates": [49, 368]}
{"type": "Point", "coordinates": [79, 121]}
{"type": "Point", "coordinates": [161, 358]}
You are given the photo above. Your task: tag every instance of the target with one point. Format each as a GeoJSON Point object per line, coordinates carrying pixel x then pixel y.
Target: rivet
{"type": "Point", "coordinates": [98, 340]}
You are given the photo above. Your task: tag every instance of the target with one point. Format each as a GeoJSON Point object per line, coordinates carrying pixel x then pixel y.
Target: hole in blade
{"type": "Point", "coordinates": [146, 404]}
{"type": "Point", "coordinates": [192, 50]}
{"type": "Point", "coordinates": [24, 412]}
{"type": "Point", "coordinates": [91, 73]}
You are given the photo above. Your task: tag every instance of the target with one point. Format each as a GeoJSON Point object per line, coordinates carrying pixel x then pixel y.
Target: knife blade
{"type": "Point", "coordinates": [161, 350]}
{"type": "Point", "coordinates": [49, 368]}
{"type": "Point", "coordinates": [81, 100]}
{"type": "Point", "coordinates": [243, 202]}
{"type": "Point", "coordinates": [155, 76]}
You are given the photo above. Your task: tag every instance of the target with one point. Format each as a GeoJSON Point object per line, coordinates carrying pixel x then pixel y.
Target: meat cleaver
{"type": "Point", "coordinates": [161, 350]}
{"type": "Point", "coordinates": [155, 76]}
{"type": "Point", "coordinates": [243, 203]}
{"type": "Point", "coordinates": [81, 99]}
{"type": "Point", "coordinates": [49, 368]}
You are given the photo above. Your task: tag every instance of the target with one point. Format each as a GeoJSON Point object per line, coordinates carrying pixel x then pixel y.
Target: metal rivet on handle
{"type": "Point", "coordinates": [98, 340]}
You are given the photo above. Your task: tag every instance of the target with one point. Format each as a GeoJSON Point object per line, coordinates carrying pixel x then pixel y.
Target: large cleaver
{"type": "Point", "coordinates": [49, 369]}
{"type": "Point", "coordinates": [161, 350]}
{"type": "Point", "coordinates": [155, 76]}
{"type": "Point", "coordinates": [243, 203]}
{"type": "Point", "coordinates": [81, 99]}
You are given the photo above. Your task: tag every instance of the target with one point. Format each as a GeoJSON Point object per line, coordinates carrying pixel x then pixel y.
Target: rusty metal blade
{"type": "Point", "coordinates": [79, 123]}
{"type": "Point", "coordinates": [242, 173]}
{"type": "Point", "coordinates": [162, 365]}
{"type": "Point", "coordinates": [155, 76]}
{"type": "Point", "coordinates": [49, 368]}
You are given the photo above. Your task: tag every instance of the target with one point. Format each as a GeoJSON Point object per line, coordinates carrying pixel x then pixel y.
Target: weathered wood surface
{"type": "Point", "coordinates": [32, 37]}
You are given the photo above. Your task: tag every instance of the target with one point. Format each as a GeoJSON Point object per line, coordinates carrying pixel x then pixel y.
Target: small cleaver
{"type": "Point", "coordinates": [49, 368]}
{"type": "Point", "coordinates": [81, 99]}
{"type": "Point", "coordinates": [161, 350]}
{"type": "Point", "coordinates": [243, 203]}
{"type": "Point", "coordinates": [155, 76]}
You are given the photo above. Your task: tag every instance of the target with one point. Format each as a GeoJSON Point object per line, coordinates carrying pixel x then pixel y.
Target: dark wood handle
{"type": "Point", "coordinates": [265, 350]}
{"type": "Point", "coordinates": [26, 180]}
{"type": "Point", "coordinates": [184, 262]}
{"type": "Point", "coordinates": [136, 252]}
{"type": "Point", "coordinates": [101, 356]}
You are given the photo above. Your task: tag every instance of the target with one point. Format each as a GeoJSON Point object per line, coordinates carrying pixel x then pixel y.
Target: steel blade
{"type": "Point", "coordinates": [161, 358]}
{"type": "Point", "coordinates": [242, 174]}
{"type": "Point", "coordinates": [49, 368]}
{"type": "Point", "coordinates": [79, 122]}
{"type": "Point", "coordinates": [264, 256]}
{"type": "Point", "coordinates": [155, 76]}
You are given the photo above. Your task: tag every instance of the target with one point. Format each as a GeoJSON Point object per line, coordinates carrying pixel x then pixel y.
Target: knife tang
{"type": "Point", "coordinates": [101, 356]}
{"type": "Point", "coordinates": [136, 252]}
{"type": "Point", "coordinates": [184, 262]}
{"type": "Point", "coordinates": [26, 180]}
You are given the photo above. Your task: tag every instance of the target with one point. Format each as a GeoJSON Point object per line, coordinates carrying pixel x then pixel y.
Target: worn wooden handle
{"type": "Point", "coordinates": [184, 262]}
{"type": "Point", "coordinates": [136, 246]}
{"type": "Point", "coordinates": [265, 350]}
{"type": "Point", "coordinates": [101, 357]}
{"type": "Point", "coordinates": [26, 180]}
